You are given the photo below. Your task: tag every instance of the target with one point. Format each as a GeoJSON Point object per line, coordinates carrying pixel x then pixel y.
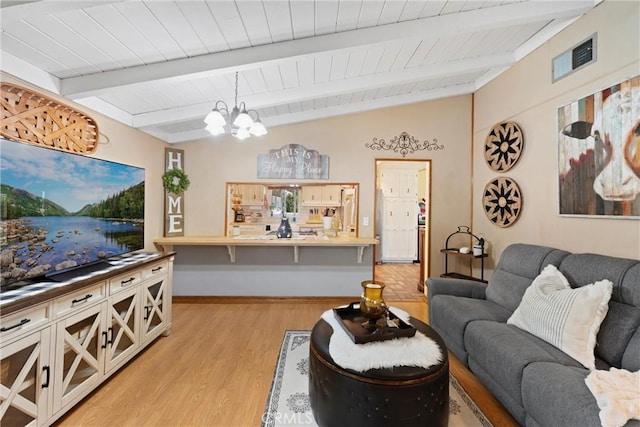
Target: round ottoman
{"type": "Point", "coordinates": [400, 396]}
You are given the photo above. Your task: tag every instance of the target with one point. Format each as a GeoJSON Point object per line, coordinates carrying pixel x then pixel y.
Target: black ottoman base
{"type": "Point", "coordinates": [403, 396]}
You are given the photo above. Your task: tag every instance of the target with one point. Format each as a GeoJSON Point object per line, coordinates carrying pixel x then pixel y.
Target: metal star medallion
{"type": "Point", "coordinates": [502, 201]}
{"type": "Point", "coordinates": [503, 146]}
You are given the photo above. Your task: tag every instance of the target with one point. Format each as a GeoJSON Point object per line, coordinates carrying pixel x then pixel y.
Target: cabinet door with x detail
{"type": "Point", "coordinates": [24, 380]}
{"type": "Point", "coordinates": [80, 343]}
{"type": "Point", "coordinates": [154, 306]}
{"type": "Point", "coordinates": [122, 328]}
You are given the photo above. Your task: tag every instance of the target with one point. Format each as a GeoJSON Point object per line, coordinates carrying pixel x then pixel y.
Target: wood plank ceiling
{"type": "Point", "coordinates": [161, 65]}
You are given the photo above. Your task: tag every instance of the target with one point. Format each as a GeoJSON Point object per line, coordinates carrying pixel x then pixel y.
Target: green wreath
{"type": "Point", "coordinates": [175, 181]}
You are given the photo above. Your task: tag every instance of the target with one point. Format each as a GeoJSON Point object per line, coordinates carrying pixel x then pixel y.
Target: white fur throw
{"type": "Point", "coordinates": [617, 392]}
{"type": "Point", "coordinates": [418, 350]}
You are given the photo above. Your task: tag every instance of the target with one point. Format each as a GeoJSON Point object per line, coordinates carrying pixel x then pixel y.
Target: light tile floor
{"type": "Point", "coordinates": [401, 281]}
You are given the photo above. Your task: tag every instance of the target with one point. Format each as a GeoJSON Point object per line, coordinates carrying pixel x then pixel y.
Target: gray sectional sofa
{"type": "Point", "coordinates": [537, 383]}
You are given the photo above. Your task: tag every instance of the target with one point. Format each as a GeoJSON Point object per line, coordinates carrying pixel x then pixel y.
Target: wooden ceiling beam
{"type": "Point", "coordinates": [258, 56]}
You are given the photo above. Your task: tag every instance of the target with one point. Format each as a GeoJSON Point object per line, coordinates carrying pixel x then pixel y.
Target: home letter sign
{"type": "Point", "coordinates": [173, 203]}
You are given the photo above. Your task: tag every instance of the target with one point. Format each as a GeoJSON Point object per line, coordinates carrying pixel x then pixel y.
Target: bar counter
{"type": "Point", "coordinates": [231, 242]}
{"type": "Point", "coordinates": [263, 265]}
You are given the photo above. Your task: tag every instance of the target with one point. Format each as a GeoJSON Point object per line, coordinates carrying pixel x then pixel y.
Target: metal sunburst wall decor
{"type": "Point", "coordinates": [502, 200]}
{"type": "Point", "coordinates": [404, 144]}
{"type": "Point", "coordinates": [503, 146]}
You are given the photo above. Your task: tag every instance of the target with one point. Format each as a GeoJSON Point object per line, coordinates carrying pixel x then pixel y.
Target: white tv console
{"type": "Point", "coordinates": [59, 341]}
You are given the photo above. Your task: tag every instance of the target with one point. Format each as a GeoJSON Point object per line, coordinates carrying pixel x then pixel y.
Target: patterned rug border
{"type": "Point", "coordinates": [271, 407]}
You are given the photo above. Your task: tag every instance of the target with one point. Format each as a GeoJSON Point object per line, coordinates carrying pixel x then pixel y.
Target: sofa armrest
{"type": "Point", "coordinates": [456, 287]}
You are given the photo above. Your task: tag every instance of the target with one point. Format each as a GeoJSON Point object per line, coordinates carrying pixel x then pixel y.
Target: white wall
{"type": "Point", "coordinates": [526, 95]}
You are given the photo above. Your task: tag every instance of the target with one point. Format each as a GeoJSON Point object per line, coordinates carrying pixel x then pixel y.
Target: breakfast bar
{"type": "Point", "coordinates": [263, 265]}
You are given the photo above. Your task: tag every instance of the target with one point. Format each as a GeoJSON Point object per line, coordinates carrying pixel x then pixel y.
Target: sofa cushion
{"type": "Point", "coordinates": [504, 351]}
{"type": "Point", "coordinates": [631, 356]}
{"type": "Point", "coordinates": [615, 334]}
{"type": "Point", "coordinates": [567, 318]}
{"type": "Point", "coordinates": [519, 264]}
{"type": "Point", "coordinates": [456, 313]}
{"type": "Point", "coordinates": [556, 395]}
{"type": "Point", "coordinates": [623, 318]}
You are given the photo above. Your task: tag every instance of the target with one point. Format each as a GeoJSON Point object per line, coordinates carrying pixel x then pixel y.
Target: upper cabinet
{"type": "Point", "coordinates": [399, 183]}
{"type": "Point", "coordinates": [321, 195]}
{"type": "Point", "coordinates": [248, 194]}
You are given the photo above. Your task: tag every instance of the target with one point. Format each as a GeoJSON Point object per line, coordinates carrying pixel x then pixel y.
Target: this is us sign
{"type": "Point", "coordinates": [293, 161]}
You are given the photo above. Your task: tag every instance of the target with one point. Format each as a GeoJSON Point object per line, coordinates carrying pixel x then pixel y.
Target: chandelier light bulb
{"type": "Point", "coordinates": [258, 129]}
{"type": "Point", "coordinates": [215, 118]}
{"type": "Point", "coordinates": [243, 120]}
{"type": "Point", "coordinates": [214, 129]}
{"type": "Point", "coordinates": [242, 133]}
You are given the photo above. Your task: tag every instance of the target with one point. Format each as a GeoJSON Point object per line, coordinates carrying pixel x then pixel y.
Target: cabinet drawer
{"type": "Point", "coordinates": [155, 270]}
{"type": "Point", "coordinates": [23, 321]}
{"type": "Point", "coordinates": [124, 281]}
{"type": "Point", "coordinates": [80, 299]}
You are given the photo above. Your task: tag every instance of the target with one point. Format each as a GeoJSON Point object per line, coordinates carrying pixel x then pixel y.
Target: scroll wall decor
{"type": "Point", "coordinates": [37, 119]}
{"type": "Point", "coordinates": [404, 144]}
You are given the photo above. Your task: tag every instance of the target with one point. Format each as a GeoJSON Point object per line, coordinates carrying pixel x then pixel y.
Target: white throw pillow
{"type": "Point", "coordinates": [567, 318]}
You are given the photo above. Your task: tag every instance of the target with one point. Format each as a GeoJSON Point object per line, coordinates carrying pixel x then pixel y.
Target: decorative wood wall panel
{"type": "Point", "coordinates": [37, 119]}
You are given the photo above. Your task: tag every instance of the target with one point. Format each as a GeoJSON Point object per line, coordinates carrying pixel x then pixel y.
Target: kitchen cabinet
{"type": "Point", "coordinates": [252, 194]}
{"type": "Point", "coordinates": [321, 195]}
{"type": "Point", "coordinates": [399, 183]}
{"type": "Point", "coordinates": [331, 195]}
{"type": "Point", "coordinates": [57, 352]}
{"type": "Point", "coordinates": [311, 195]}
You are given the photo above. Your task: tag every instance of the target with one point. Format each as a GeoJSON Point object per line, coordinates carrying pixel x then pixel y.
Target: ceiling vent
{"type": "Point", "coordinates": [575, 58]}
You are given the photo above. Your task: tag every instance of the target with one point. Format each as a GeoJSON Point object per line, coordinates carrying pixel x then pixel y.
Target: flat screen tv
{"type": "Point", "coordinates": [64, 214]}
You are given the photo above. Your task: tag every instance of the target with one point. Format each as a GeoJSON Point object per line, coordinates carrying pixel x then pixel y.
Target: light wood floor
{"type": "Point", "coordinates": [216, 367]}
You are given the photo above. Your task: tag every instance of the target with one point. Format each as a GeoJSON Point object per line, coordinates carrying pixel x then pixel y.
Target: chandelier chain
{"type": "Point", "coordinates": [236, 99]}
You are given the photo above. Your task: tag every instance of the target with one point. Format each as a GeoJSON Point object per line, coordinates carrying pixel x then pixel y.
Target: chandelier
{"type": "Point", "coordinates": [238, 122]}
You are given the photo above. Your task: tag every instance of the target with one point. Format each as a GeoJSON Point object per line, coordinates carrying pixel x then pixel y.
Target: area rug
{"type": "Point", "coordinates": [288, 402]}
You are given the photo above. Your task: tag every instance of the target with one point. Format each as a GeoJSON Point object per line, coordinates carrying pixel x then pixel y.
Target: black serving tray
{"type": "Point", "coordinates": [351, 319]}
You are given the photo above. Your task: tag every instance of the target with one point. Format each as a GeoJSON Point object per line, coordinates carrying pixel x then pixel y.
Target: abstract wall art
{"type": "Point", "coordinates": [599, 153]}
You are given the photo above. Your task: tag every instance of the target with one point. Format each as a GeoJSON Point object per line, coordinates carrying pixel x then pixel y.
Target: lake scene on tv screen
{"type": "Point", "coordinates": [60, 211]}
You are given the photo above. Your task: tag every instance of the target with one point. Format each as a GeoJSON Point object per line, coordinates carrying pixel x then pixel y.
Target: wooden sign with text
{"type": "Point", "coordinates": [173, 203]}
{"type": "Point", "coordinates": [293, 161]}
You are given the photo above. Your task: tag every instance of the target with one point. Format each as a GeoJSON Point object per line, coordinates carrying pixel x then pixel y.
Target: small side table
{"type": "Point", "coordinates": [403, 396]}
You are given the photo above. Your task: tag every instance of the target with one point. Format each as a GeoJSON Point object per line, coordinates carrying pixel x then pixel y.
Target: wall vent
{"type": "Point", "coordinates": [579, 56]}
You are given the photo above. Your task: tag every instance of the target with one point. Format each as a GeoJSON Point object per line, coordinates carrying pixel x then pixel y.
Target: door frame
{"type": "Point", "coordinates": [425, 164]}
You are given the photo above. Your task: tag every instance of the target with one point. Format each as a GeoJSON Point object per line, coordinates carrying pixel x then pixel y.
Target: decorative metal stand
{"type": "Point", "coordinates": [448, 250]}
{"type": "Point", "coordinates": [404, 144]}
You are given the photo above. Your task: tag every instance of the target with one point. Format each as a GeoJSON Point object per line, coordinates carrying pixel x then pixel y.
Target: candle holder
{"type": "Point", "coordinates": [372, 305]}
